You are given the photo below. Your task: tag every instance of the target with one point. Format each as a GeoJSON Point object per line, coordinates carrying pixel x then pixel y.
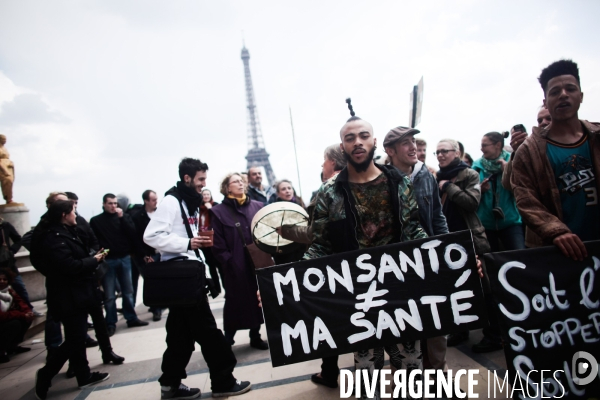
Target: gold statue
{"type": "Point", "coordinates": [7, 172]}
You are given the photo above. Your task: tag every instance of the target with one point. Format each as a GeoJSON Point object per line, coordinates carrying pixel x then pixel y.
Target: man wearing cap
{"type": "Point", "coordinates": [366, 205]}
{"type": "Point", "coordinates": [401, 147]}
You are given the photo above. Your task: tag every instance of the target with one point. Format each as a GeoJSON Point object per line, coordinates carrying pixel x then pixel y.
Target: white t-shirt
{"type": "Point", "coordinates": [166, 231]}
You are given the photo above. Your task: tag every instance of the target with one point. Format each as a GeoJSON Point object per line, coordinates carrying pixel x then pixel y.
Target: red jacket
{"type": "Point", "coordinates": [17, 309]}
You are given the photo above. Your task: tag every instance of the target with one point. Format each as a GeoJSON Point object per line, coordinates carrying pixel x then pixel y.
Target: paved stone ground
{"type": "Point", "coordinates": [143, 348]}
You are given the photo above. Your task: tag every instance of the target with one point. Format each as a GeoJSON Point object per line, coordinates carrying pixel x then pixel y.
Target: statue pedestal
{"type": "Point", "coordinates": [17, 215]}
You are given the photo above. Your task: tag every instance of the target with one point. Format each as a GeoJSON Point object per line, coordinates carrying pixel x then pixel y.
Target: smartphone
{"type": "Point", "coordinates": [519, 128]}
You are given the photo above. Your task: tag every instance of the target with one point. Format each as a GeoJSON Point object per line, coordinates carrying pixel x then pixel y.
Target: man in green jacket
{"type": "Point", "coordinates": [366, 205]}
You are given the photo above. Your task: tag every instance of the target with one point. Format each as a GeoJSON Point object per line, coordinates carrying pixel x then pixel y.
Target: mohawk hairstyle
{"type": "Point", "coordinates": [558, 68]}
{"type": "Point", "coordinates": [353, 116]}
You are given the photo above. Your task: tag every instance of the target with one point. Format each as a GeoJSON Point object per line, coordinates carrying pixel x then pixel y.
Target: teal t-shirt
{"type": "Point", "coordinates": [574, 173]}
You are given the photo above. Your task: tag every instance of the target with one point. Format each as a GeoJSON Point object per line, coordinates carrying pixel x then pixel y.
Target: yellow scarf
{"type": "Point", "coordinates": [240, 201]}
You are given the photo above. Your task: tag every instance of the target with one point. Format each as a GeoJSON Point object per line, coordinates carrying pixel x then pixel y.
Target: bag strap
{"type": "Point", "coordinates": [494, 184]}
{"type": "Point", "coordinates": [237, 224]}
{"type": "Point", "coordinates": [186, 222]}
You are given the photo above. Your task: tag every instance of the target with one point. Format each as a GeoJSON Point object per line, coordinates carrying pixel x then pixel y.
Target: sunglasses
{"type": "Point", "coordinates": [444, 152]}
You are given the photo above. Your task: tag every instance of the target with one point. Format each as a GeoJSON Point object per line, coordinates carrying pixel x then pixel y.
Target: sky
{"type": "Point", "coordinates": [108, 96]}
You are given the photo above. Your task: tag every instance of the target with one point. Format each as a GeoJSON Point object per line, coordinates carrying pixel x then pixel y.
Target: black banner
{"type": "Point", "coordinates": [549, 310]}
{"type": "Point", "coordinates": [371, 298]}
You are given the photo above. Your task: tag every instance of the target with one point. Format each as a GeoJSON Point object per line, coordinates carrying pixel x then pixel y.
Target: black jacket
{"type": "Point", "coordinates": [343, 237]}
{"type": "Point", "coordinates": [86, 234]}
{"type": "Point", "coordinates": [141, 221]}
{"type": "Point", "coordinates": [114, 233]}
{"type": "Point", "coordinates": [70, 280]}
{"type": "Point", "coordinates": [10, 235]}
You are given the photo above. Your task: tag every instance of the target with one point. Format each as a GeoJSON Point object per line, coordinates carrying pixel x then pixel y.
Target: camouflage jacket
{"type": "Point", "coordinates": [335, 216]}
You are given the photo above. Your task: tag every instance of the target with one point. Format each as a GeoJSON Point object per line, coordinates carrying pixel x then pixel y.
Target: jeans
{"type": "Point", "coordinates": [52, 334]}
{"type": "Point", "coordinates": [19, 286]}
{"type": "Point", "coordinates": [512, 238]}
{"type": "Point", "coordinates": [186, 325]}
{"type": "Point", "coordinates": [118, 269]}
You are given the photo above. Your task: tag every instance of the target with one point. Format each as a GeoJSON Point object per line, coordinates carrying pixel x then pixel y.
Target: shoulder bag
{"type": "Point", "coordinates": [175, 282]}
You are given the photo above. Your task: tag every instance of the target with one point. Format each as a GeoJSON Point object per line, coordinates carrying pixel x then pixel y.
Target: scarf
{"type": "Point", "coordinates": [240, 200]}
{"type": "Point", "coordinates": [451, 170]}
{"type": "Point", "coordinates": [5, 300]}
{"type": "Point", "coordinates": [492, 166]}
{"type": "Point", "coordinates": [192, 199]}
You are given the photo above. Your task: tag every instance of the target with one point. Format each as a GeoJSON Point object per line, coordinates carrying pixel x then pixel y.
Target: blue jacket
{"type": "Point", "coordinates": [505, 200]}
{"type": "Point", "coordinates": [427, 193]}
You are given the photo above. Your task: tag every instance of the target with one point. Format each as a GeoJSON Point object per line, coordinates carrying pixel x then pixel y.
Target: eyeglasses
{"type": "Point", "coordinates": [444, 152]}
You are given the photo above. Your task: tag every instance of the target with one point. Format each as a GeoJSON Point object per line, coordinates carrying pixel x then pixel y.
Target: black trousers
{"type": "Point", "coordinates": [329, 368]}
{"type": "Point", "coordinates": [72, 349]}
{"type": "Point", "coordinates": [186, 325]}
{"type": "Point", "coordinates": [11, 334]}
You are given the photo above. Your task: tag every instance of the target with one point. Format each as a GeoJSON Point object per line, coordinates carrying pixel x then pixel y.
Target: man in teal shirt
{"type": "Point", "coordinates": [556, 171]}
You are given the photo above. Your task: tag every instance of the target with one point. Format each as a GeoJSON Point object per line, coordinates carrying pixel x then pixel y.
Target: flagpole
{"type": "Point", "coordinates": [295, 152]}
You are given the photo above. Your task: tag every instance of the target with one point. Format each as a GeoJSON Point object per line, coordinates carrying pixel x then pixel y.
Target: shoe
{"type": "Point", "coordinates": [179, 392]}
{"type": "Point", "coordinates": [454, 339]}
{"type": "Point", "coordinates": [157, 315]}
{"type": "Point", "coordinates": [321, 381]}
{"type": "Point", "coordinates": [238, 388]}
{"type": "Point", "coordinates": [89, 342]}
{"type": "Point", "coordinates": [20, 349]}
{"type": "Point", "coordinates": [486, 346]}
{"type": "Point", "coordinates": [4, 358]}
{"type": "Point", "coordinates": [259, 344]}
{"type": "Point", "coordinates": [70, 372]}
{"type": "Point", "coordinates": [37, 313]}
{"type": "Point", "coordinates": [41, 386]}
{"type": "Point", "coordinates": [111, 330]}
{"type": "Point", "coordinates": [136, 322]}
{"type": "Point", "coordinates": [111, 357]}
{"type": "Point", "coordinates": [94, 378]}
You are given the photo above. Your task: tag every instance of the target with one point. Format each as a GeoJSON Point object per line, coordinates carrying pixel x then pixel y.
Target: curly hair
{"type": "Point", "coordinates": [558, 68]}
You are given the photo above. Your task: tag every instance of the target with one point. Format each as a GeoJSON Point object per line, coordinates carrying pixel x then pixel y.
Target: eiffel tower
{"type": "Point", "coordinates": [257, 155]}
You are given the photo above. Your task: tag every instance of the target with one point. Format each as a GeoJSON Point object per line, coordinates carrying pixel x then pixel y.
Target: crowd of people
{"type": "Point", "coordinates": [540, 190]}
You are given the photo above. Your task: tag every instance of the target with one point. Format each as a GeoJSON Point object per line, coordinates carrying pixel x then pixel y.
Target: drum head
{"type": "Point", "coordinates": [272, 216]}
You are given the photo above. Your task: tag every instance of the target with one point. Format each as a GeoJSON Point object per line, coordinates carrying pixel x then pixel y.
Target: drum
{"type": "Point", "coordinates": [272, 216]}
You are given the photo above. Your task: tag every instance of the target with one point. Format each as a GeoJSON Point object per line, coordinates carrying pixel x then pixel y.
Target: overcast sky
{"type": "Point", "coordinates": [108, 96]}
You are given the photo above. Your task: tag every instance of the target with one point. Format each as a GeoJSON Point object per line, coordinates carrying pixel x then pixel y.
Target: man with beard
{"type": "Point", "coordinates": [166, 232]}
{"type": "Point", "coordinates": [555, 173]}
{"type": "Point", "coordinates": [365, 205]}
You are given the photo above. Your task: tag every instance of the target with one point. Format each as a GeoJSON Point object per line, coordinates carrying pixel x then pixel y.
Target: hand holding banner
{"type": "Point", "coordinates": [372, 297]}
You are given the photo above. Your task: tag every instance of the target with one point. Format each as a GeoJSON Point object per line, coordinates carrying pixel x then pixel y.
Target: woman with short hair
{"type": "Point", "coordinates": [230, 221]}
